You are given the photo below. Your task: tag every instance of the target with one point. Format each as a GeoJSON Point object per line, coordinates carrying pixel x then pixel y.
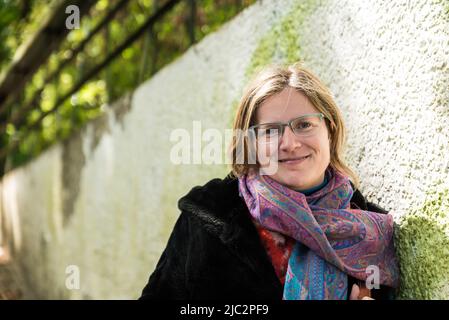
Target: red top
{"type": "Point", "coordinates": [278, 247]}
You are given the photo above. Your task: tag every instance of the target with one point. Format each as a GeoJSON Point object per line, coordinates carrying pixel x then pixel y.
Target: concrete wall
{"type": "Point", "coordinates": [105, 200]}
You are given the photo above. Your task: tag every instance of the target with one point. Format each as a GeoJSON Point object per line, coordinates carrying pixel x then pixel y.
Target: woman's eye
{"type": "Point", "coordinates": [303, 125]}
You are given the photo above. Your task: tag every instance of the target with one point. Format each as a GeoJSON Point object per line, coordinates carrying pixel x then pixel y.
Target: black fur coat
{"type": "Point", "coordinates": [214, 250]}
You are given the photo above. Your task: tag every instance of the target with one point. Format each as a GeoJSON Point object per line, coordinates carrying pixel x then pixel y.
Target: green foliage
{"type": "Point", "coordinates": [19, 19]}
{"type": "Point", "coordinates": [166, 41]}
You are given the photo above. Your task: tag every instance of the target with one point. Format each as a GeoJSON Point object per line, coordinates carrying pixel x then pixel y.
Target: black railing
{"type": "Point", "coordinates": [18, 116]}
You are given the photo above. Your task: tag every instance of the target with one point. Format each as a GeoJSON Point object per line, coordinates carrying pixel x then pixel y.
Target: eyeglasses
{"type": "Point", "coordinates": [304, 126]}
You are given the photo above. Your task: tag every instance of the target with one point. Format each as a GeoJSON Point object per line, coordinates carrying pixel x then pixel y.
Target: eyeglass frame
{"type": "Point", "coordinates": [289, 123]}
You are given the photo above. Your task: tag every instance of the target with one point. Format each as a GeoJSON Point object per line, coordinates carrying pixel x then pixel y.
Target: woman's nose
{"type": "Point", "coordinates": [289, 140]}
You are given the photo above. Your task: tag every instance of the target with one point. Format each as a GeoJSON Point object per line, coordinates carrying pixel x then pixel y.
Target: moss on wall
{"type": "Point", "coordinates": [282, 43]}
{"type": "Point", "coordinates": [422, 244]}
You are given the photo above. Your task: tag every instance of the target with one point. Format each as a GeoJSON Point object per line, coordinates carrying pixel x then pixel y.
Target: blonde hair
{"type": "Point", "coordinates": [272, 80]}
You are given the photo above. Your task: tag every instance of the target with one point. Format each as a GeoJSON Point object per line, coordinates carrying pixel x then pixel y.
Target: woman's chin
{"type": "Point", "coordinates": [289, 182]}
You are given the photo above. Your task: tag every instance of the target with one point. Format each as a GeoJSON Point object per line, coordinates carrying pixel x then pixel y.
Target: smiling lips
{"type": "Point", "coordinates": [294, 160]}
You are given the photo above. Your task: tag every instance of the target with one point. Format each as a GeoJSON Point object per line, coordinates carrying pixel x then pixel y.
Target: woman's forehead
{"type": "Point", "coordinates": [286, 105]}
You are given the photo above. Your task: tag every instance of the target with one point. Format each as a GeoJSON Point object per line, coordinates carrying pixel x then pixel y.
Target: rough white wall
{"type": "Point", "coordinates": [106, 199]}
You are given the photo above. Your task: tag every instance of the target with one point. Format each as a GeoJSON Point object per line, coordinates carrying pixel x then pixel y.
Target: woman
{"type": "Point", "coordinates": [289, 225]}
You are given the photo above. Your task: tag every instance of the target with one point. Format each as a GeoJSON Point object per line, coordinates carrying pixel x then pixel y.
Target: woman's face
{"type": "Point", "coordinates": [302, 174]}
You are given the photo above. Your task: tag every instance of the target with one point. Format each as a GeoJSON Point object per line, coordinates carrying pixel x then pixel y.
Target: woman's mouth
{"type": "Point", "coordinates": [294, 161]}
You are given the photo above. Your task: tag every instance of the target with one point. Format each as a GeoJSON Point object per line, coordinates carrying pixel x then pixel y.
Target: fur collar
{"type": "Point", "coordinates": [217, 206]}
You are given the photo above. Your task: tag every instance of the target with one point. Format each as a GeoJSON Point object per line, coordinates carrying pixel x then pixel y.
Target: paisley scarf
{"type": "Point", "coordinates": [333, 241]}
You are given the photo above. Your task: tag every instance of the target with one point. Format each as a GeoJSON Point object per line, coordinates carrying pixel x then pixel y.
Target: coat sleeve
{"type": "Point", "coordinates": [168, 280]}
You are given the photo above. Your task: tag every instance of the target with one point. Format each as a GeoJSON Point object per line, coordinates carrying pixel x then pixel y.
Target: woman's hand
{"type": "Point", "coordinates": [355, 292]}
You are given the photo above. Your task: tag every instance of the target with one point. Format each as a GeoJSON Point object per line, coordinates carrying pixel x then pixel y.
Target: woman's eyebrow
{"type": "Point", "coordinates": [280, 121]}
